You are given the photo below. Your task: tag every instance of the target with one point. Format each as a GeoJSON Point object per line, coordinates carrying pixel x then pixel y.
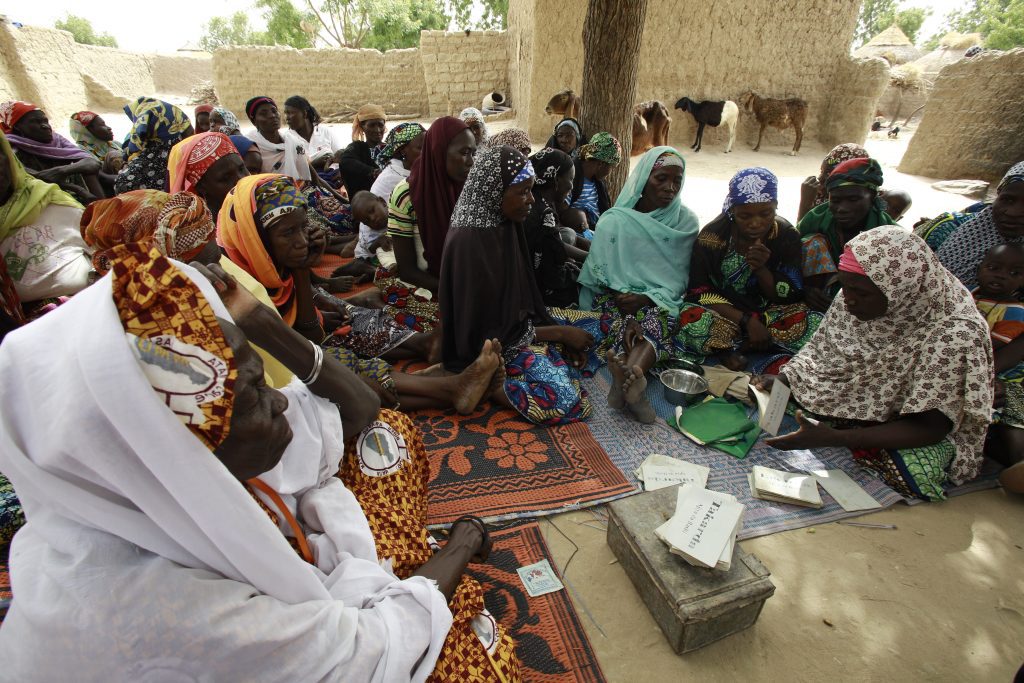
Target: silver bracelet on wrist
{"type": "Point", "coordinates": [318, 364]}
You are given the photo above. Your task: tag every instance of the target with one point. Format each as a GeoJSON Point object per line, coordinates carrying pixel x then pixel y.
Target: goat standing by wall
{"type": "Point", "coordinates": [714, 114]}
{"type": "Point", "coordinates": [566, 104]}
{"type": "Point", "coordinates": [651, 123]}
{"type": "Point", "coordinates": [781, 114]}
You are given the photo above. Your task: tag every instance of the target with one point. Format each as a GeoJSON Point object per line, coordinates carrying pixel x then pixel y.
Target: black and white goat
{"type": "Point", "coordinates": [714, 114]}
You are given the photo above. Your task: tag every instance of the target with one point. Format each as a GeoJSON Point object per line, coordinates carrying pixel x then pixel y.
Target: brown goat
{"type": "Point", "coordinates": [566, 104]}
{"type": "Point", "coordinates": [651, 123]}
{"type": "Point", "coordinates": [781, 114]}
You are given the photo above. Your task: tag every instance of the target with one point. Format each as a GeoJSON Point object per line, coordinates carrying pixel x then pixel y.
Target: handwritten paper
{"type": "Point", "coordinates": [771, 407]}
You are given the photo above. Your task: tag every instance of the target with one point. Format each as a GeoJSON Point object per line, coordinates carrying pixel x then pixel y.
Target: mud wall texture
{"type": "Point", "coordinates": [48, 68]}
{"type": "Point", "coordinates": [973, 123]}
{"type": "Point", "coordinates": [725, 50]}
{"type": "Point", "coordinates": [333, 80]}
{"type": "Point", "coordinates": [449, 71]}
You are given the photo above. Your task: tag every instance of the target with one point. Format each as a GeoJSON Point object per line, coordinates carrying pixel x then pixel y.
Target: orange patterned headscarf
{"type": "Point", "coordinates": [179, 225]}
{"type": "Point", "coordinates": [191, 158]}
{"type": "Point", "coordinates": [176, 340]}
{"type": "Point", "coordinates": [240, 236]}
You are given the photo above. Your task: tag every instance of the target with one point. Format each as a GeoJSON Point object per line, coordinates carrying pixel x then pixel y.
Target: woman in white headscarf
{"type": "Point", "coordinates": [185, 521]}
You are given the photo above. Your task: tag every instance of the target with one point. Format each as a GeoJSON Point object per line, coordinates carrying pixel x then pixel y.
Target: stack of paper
{"type": "Point", "coordinates": [704, 527]}
{"type": "Point", "coordinates": [660, 471]}
{"type": "Point", "coordinates": [785, 487]}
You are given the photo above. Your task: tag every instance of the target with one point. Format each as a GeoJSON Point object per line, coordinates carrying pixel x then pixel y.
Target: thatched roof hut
{"type": "Point", "coordinates": [892, 45]}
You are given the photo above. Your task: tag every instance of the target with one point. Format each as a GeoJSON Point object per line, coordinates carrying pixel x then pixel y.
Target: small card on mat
{"type": "Point", "coordinates": [539, 578]}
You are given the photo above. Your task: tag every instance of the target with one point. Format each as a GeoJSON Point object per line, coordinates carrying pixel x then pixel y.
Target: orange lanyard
{"type": "Point", "coordinates": [307, 554]}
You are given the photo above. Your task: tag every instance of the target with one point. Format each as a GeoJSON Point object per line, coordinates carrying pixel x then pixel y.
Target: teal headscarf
{"type": "Point", "coordinates": [641, 253]}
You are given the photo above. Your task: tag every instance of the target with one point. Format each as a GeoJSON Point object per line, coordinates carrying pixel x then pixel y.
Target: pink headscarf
{"type": "Point", "coordinates": [848, 263]}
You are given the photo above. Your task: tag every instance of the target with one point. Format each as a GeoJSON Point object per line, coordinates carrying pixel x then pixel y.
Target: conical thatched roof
{"type": "Point", "coordinates": [931, 64]}
{"type": "Point", "coordinates": [892, 45]}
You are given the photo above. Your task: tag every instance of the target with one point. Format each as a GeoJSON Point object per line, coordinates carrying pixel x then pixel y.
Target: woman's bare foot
{"type": "Point", "coordinates": [496, 390]}
{"type": "Point", "coordinates": [339, 284]}
{"type": "Point", "coordinates": [434, 350]}
{"type": "Point", "coordinates": [473, 382]}
{"type": "Point", "coordinates": [618, 370]}
{"type": "Point", "coordinates": [371, 298]}
{"type": "Point", "coordinates": [634, 390]}
{"type": "Point", "coordinates": [735, 361]}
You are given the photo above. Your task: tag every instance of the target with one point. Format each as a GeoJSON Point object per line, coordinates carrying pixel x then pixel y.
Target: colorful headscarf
{"type": "Point", "coordinates": [154, 120]}
{"type": "Point", "coordinates": [84, 138]}
{"type": "Point", "coordinates": [241, 143]}
{"type": "Point", "coordinates": [549, 163]}
{"type": "Point", "coordinates": [230, 126]}
{"type": "Point", "coordinates": [471, 115]}
{"type": "Point", "coordinates": [930, 350]}
{"type": "Point", "coordinates": [848, 262]}
{"type": "Point", "coordinates": [516, 138]}
{"type": "Point", "coordinates": [397, 138]}
{"type": "Point", "coordinates": [637, 252]}
{"type": "Point", "coordinates": [432, 191]}
{"type": "Point", "coordinates": [963, 250]}
{"type": "Point", "coordinates": [29, 196]}
{"type": "Point", "coordinates": [177, 341]}
{"type": "Point", "coordinates": [191, 158]}
{"type": "Point", "coordinates": [12, 111]}
{"type": "Point", "coordinates": [183, 227]}
{"type": "Point", "coordinates": [253, 104]}
{"type": "Point", "coordinates": [240, 232]}
{"type": "Point", "coordinates": [367, 112]}
{"type": "Point", "coordinates": [277, 198]}
{"type": "Point", "coordinates": [752, 186]}
{"type": "Point", "coordinates": [128, 217]}
{"type": "Point", "coordinates": [603, 147]}
{"type": "Point", "coordinates": [202, 109]}
{"type": "Point", "coordinates": [838, 155]}
{"type": "Point", "coordinates": [858, 172]}
{"type": "Point", "coordinates": [494, 171]}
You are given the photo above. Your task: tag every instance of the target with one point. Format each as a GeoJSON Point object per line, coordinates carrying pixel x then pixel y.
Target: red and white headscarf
{"type": "Point", "coordinates": [12, 111]}
{"type": "Point", "coordinates": [191, 158]}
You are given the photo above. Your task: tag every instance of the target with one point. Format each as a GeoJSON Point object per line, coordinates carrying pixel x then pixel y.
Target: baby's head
{"type": "Point", "coordinates": [1001, 273]}
{"type": "Point", "coordinates": [113, 162]}
{"type": "Point", "coordinates": [371, 210]}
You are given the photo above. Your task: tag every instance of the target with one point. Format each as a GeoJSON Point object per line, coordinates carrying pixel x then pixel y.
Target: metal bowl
{"type": "Point", "coordinates": [682, 387]}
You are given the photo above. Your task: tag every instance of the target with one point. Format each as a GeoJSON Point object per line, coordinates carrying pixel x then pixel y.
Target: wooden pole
{"type": "Point", "coordinates": [611, 57]}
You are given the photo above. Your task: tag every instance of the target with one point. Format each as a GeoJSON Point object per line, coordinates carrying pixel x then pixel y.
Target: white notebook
{"type": "Point", "coordinates": [704, 527]}
{"type": "Point", "coordinates": [785, 487]}
{"type": "Point", "coordinates": [661, 471]}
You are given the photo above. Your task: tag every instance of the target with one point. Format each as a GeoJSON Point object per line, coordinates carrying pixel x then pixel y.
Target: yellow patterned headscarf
{"type": "Point", "coordinates": [176, 340]}
{"type": "Point", "coordinates": [153, 120]}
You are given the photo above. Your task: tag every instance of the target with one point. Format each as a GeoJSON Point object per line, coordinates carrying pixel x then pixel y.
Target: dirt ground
{"type": "Point", "coordinates": [939, 598]}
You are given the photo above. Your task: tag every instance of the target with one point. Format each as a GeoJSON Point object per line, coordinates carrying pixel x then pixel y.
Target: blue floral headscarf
{"type": "Point", "coordinates": [752, 186]}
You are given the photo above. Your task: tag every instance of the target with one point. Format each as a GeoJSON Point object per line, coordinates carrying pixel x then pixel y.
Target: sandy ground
{"type": "Point", "coordinates": [939, 598]}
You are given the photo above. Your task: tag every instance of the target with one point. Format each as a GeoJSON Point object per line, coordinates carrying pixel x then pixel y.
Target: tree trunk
{"type": "Point", "coordinates": [913, 114]}
{"type": "Point", "coordinates": [611, 55]}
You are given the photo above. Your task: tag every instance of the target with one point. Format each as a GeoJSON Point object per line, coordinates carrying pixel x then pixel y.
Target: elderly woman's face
{"type": "Point", "coordinates": [289, 240]}
{"type": "Point", "coordinates": [754, 221]}
{"type": "Point", "coordinates": [517, 200]}
{"type": "Point", "coordinates": [1008, 210]}
{"type": "Point", "coordinates": [35, 126]}
{"type": "Point", "coordinates": [459, 159]}
{"type": "Point", "coordinates": [663, 185]}
{"type": "Point", "coordinates": [100, 130]}
{"type": "Point", "coordinates": [850, 205]}
{"type": "Point", "coordinates": [374, 130]}
{"type": "Point", "coordinates": [864, 300]}
{"type": "Point", "coordinates": [566, 138]}
{"type": "Point", "coordinates": [266, 117]}
{"type": "Point", "coordinates": [259, 432]}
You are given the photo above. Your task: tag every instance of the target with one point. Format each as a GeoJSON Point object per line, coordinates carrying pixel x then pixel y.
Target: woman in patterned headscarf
{"type": "Point", "coordinates": [224, 121]}
{"type": "Point", "coordinates": [474, 119]}
{"type": "Point", "coordinates": [636, 274]}
{"type": "Point", "coordinates": [745, 278]}
{"type": "Point", "coordinates": [488, 292]}
{"type": "Point", "coordinates": [262, 228]}
{"type": "Point", "coordinates": [516, 138]}
{"type": "Point", "coordinates": [596, 160]}
{"type": "Point", "coordinates": [156, 127]}
{"type": "Point", "coordinates": [902, 368]}
{"type": "Point", "coordinates": [962, 239]}
{"type": "Point", "coordinates": [220, 500]}
{"type": "Point", "coordinates": [813, 191]}
{"type": "Point", "coordinates": [556, 263]}
{"type": "Point", "coordinates": [853, 207]}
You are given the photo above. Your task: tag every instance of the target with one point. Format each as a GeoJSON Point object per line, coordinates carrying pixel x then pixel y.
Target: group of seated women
{"type": "Point", "coordinates": [224, 436]}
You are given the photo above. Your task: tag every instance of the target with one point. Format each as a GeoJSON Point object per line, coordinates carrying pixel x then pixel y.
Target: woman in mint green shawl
{"type": "Point", "coordinates": [636, 274]}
